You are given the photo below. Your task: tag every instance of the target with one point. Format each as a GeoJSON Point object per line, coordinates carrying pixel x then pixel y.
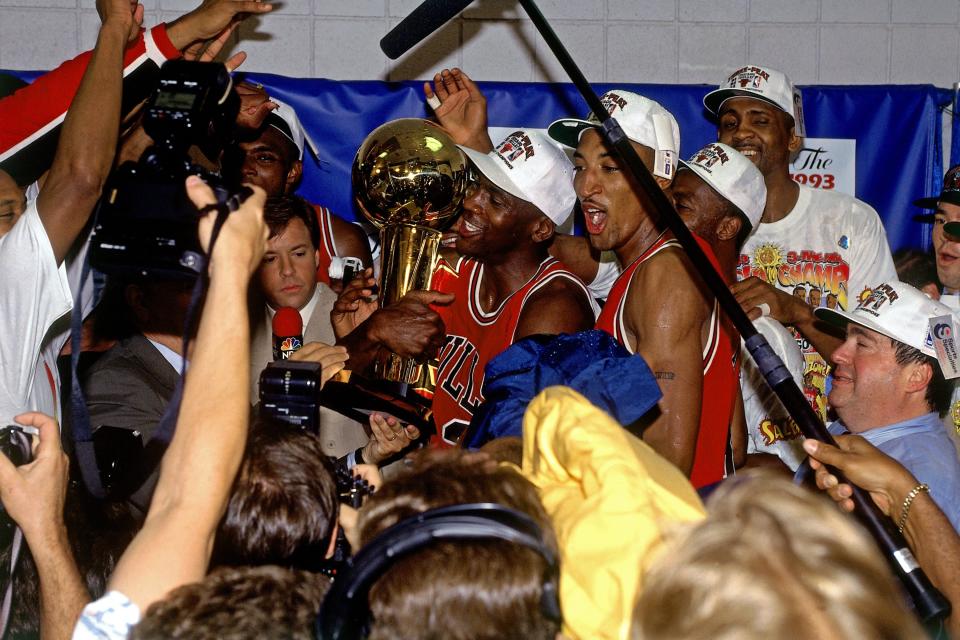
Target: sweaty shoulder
{"type": "Point", "coordinates": [561, 305]}
{"type": "Point", "coordinates": [666, 289]}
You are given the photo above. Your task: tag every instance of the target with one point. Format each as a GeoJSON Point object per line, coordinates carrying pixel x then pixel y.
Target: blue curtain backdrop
{"type": "Point", "coordinates": [897, 129]}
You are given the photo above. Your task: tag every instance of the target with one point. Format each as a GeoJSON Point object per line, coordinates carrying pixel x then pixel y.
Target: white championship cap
{"type": "Point", "coordinates": [896, 310]}
{"type": "Point", "coordinates": [643, 120]}
{"type": "Point", "coordinates": [528, 165]}
{"type": "Point", "coordinates": [764, 84]}
{"type": "Point", "coordinates": [284, 119]}
{"type": "Point", "coordinates": [733, 176]}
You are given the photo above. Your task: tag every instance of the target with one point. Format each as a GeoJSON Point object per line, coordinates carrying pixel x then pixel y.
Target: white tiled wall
{"type": "Point", "coordinates": [814, 41]}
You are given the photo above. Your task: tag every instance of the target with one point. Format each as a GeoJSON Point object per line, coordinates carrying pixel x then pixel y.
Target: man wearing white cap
{"type": "Point", "coordinates": [658, 307]}
{"type": "Point", "coordinates": [812, 237]}
{"type": "Point", "coordinates": [273, 160]}
{"type": "Point", "coordinates": [506, 286]}
{"type": "Point", "coordinates": [889, 384]}
{"type": "Point", "coordinates": [721, 199]}
{"type": "Point", "coordinates": [461, 109]}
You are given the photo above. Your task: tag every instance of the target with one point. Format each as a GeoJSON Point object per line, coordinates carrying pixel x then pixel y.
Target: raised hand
{"type": "Point", "coordinates": [211, 18]}
{"type": "Point", "coordinates": [354, 304]}
{"type": "Point", "coordinates": [243, 237]}
{"type": "Point", "coordinates": [124, 13]}
{"type": "Point", "coordinates": [462, 111]}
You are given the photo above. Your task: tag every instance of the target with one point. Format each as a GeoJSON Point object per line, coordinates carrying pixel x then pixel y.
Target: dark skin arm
{"type": "Point", "coordinates": [409, 328]}
{"type": "Point", "coordinates": [351, 240]}
{"type": "Point", "coordinates": [666, 330]}
{"type": "Point", "coordinates": [89, 136]}
{"type": "Point", "coordinates": [577, 255]}
{"type": "Point", "coordinates": [558, 307]}
{"type": "Point", "coordinates": [788, 310]}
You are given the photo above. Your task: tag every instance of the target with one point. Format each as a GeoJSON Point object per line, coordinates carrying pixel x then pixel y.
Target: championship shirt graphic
{"type": "Point", "coordinates": [820, 279]}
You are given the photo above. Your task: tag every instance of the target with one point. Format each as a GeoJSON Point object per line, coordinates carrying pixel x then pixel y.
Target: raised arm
{"type": "Point", "coordinates": [664, 314]}
{"type": "Point", "coordinates": [462, 110]}
{"type": "Point", "coordinates": [788, 310]}
{"type": "Point", "coordinates": [198, 469]}
{"type": "Point", "coordinates": [89, 138]}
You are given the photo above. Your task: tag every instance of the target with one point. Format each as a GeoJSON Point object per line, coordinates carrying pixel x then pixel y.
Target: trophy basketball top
{"type": "Point", "coordinates": [409, 171]}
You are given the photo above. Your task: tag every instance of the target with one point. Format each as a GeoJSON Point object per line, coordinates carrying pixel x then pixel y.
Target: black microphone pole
{"type": "Point", "coordinates": [930, 603]}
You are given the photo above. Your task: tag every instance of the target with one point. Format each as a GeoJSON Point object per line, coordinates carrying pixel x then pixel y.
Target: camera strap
{"type": "Point", "coordinates": [79, 416]}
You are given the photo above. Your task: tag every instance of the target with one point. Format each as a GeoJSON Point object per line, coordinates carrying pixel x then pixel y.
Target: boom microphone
{"type": "Point", "coordinates": [422, 21]}
{"type": "Point", "coordinates": [287, 332]}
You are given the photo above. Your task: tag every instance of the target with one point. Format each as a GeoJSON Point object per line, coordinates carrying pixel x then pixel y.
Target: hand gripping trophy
{"type": "Point", "coordinates": [409, 180]}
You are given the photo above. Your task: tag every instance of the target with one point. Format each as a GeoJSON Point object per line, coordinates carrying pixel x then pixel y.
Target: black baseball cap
{"type": "Point", "coordinates": [949, 194]}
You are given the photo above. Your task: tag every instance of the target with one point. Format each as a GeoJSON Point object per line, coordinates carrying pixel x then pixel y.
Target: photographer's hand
{"type": "Point", "coordinates": [33, 495]}
{"type": "Point", "coordinates": [243, 237]}
{"type": "Point", "coordinates": [331, 358]}
{"type": "Point", "coordinates": [389, 437]}
{"type": "Point", "coordinates": [210, 18]}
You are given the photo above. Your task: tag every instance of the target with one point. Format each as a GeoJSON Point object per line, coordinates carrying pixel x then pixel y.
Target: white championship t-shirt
{"type": "Point", "coordinates": [770, 429]}
{"type": "Point", "coordinates": [828, 250]}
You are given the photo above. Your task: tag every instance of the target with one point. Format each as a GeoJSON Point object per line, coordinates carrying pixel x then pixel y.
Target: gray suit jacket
{"type": "Point", "coordinates": [340, 435]}
{"type": "Point", "coordinates": [129, 386]}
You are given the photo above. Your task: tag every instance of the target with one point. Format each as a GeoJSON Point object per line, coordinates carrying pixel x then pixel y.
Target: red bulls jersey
{"type": "Point", "coordinates": [474, 337]}
{"type": "Point", "coordinates": [327, 248]}
{"type": "Point", "coordinates": [720, 367]}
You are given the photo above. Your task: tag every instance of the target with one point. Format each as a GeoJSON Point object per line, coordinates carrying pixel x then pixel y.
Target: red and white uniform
{"type": "Point", "coordinates": [32, 116]}
{"type": "Point", "coordinates": [721, 369]}
{"type": "Point", "coordinates": [474, 337]}
{"type": "Point", "coordinates": [328, 246]}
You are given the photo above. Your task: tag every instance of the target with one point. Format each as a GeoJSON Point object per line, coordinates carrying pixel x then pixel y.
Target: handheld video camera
{"type": "Point", "coordinates": [146, 223]}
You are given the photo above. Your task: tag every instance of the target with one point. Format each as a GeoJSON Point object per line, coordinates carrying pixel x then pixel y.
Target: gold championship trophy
{"type": "Point", "coordinates": [409, 179]}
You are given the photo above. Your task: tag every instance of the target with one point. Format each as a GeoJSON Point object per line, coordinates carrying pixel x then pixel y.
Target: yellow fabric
{"type": "Point", "coordinates": [609, 496]}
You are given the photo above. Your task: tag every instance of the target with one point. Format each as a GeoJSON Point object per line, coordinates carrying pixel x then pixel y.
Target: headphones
{"type": "Point", "coordinates": [345, 612]}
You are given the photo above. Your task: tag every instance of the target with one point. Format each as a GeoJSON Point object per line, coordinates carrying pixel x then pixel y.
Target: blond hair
{"type": "Point", "coordinates": [771, 560]}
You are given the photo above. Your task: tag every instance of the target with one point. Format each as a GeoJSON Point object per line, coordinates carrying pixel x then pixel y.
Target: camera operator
{"type": "Point", "coordinates": [287, 279]}
{"type": "Point", "coordinates": [130, 385]}
{"type": "Point", "coordinates": [199, 467]}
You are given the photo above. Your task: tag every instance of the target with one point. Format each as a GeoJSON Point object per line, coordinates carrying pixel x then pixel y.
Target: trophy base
{"type": "Point", "coordinates": [357, 397]}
